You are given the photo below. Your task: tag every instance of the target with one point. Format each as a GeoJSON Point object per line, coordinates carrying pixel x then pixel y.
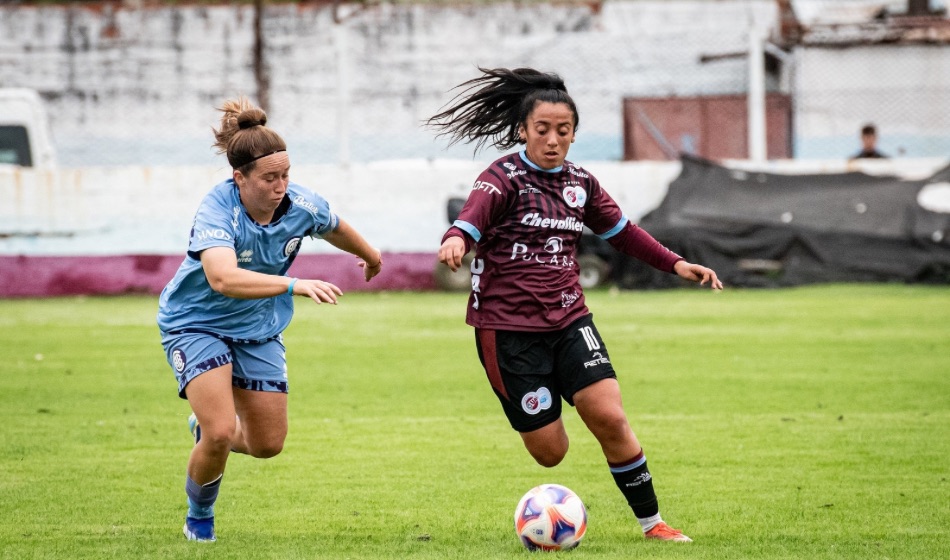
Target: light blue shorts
{"type": "Point", "coordinates": [255, 366]}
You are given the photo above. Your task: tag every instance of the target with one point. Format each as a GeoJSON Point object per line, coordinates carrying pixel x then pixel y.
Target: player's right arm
{"type": "Point", "coordinates": [485, 204]}
{"type": "Point", "coordinates": [227, 278]}
{"type": "Point", "coordinates": [452, 251]}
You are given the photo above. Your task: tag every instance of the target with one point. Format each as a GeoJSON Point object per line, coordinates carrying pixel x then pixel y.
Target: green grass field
{"type": "Point", "coordinates": [797, 423]}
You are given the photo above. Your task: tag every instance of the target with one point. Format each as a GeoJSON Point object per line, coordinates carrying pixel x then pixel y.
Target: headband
{"type": "Point", "coordinates": [244, 161]}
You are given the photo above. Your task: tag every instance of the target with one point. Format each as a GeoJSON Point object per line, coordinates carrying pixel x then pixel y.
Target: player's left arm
{"type": "Point", "coordinates": [605, 218]}
{"type": "Point", "coordinates": [697, 273]}
{"type": "Point", "coordinates": [346, 238]}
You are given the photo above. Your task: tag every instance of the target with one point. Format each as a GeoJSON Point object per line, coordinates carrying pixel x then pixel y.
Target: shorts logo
{"type": "Point", "coordinates": [535, 402]}
{"type": "Point", "coordinates": [596, 360]}
{"type": "Point", "coordinates": [291, 247]}
{"type": "Point", "coordinates": [575, 196]}
{"type": "Point", "coordinates": [179, 360]}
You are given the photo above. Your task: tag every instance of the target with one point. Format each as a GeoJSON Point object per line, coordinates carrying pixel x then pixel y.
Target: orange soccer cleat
{"type": "Point", "coordinates": [663, 532]}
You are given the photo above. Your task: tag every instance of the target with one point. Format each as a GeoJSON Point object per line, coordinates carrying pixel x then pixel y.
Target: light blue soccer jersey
{"type": "Point", "coordinates": [189, 304]}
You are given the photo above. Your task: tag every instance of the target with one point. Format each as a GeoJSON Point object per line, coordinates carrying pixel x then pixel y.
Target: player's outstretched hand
{"type": "Point", "coordinates": [370, 271]}
{"type": "Point", "coordinates": [451, 253]}
{"type": "Point", "coordinates": [317, 290]}
{"type": "Point", "coordinates": [697, 273]}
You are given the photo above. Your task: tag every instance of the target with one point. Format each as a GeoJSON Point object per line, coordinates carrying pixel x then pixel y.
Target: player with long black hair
{"type": "Point", "coordinates": [535, 336]}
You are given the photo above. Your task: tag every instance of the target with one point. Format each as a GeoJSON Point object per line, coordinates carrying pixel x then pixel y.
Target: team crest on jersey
{"type": "Point", "coordinates": [510, 166]}
{"type": "Point", "coordinates": [575, 196]}
{"type": "Point", "coordinates": [291, 246]}
{"type": "Point", "coordinates": [179, 360]}
{"type": "Point", "coordinates": [536, 401]}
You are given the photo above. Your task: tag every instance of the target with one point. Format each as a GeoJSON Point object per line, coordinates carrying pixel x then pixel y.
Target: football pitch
{"type": "Point", "coordinates": [796, 423]}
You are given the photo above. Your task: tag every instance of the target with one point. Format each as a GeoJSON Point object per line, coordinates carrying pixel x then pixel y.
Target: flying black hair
{"type": "Point", "coordinates": [491, 107]}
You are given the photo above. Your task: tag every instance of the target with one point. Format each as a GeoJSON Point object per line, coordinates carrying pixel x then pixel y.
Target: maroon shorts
{"type": "Point", "coordinates": [531, 372]}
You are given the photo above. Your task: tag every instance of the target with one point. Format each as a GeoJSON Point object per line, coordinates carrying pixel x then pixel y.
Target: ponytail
{"type": "Point", "coordinates": [491, 108]}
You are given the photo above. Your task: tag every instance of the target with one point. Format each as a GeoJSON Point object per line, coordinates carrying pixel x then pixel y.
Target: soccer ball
{"type": "Point", "coordinates": [550, 517]}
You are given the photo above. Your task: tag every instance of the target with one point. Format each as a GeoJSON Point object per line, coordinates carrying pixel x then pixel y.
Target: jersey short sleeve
{"type": "Point", "coordinates": [216, 221]}
{"type": "Point", "coordinates": [602, 214]}
{"type": "Point", "coordinates": [324, 220]}
{"type": "Point", "coordinates": [487, 202]}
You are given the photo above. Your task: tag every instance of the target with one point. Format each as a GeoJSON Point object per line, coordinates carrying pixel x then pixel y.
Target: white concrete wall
{"type": "Point", "coordinates": [137, 86]}
{"type": "Point", "coordinates": [149, 210]}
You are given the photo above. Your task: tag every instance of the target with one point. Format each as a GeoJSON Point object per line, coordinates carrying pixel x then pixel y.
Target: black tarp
{"type": "Point", "coordinates": [767, 229]}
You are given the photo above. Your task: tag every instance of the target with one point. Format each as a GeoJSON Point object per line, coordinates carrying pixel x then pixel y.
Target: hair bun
{"type": "Point", "coordinates": [250, 123]}
{"type": "Point", "coordinates": [251, 118]}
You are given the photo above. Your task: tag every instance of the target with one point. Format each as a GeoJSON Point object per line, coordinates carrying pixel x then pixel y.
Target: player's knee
{"type": "Point", "coordinates": [610, 426]}
{"type": "Point", "coordinates": [266, 450]}
{"type": "Point", "coordinates": [549, 461]}
{"type": "Point", "coordinates": [549, 456]}
{"type": "Point", "coordinates": [547, 445]}
{"type": "Point", "coordinates": [616, 425]}
{"type": "Point", "coordinates": [217, 439]}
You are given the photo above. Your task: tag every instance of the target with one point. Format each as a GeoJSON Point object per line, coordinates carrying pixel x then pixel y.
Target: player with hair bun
{"type": "Point", "coordinates": [222, 315]}
{"type": "Point", "coordinates": [534, 334]}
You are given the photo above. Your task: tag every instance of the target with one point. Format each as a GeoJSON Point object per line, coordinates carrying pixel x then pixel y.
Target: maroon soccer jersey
{"type": "Point", "coordinates": [526, 223]}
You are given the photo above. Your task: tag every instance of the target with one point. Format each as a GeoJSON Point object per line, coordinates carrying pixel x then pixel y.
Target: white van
{"type": "Point", "coordinates": [24, 129]}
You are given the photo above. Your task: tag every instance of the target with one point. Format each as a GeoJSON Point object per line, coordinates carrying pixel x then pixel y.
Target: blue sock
{"type": "Point", "coordinates": [201, 498]}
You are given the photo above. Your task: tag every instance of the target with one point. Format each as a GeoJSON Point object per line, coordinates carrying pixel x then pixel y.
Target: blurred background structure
{"type": "Point", "coordinates": [130, 82]}
{"type": "Point", "coordinates": [126, 91]}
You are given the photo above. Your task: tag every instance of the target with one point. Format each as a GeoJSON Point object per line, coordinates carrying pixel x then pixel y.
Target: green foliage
{"type": "Point", "coordinates": [785, 424]}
